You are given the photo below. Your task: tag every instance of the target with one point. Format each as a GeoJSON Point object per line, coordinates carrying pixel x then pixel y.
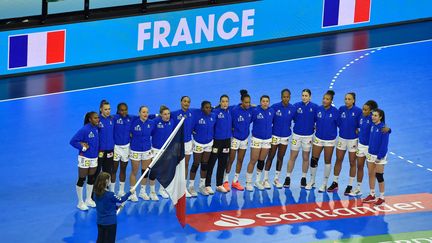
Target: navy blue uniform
{"type": "Point", "coordinates": [87, 134]}
{"type": "Point", "coordinates": [304, 120]}
{"type": "Point", "coordinates": [378, 142]}
{"type": "Point", "coordinates": [282, 119]}
{"type": "Point", "coordinates": [326, 123]}
{"type": "Point", "coordinates": [262, 123]}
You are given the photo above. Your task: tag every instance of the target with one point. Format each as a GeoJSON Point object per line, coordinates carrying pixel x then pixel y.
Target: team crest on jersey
{"type": "Point", "coordinates": [319, 114]}
{"type": "Point", "coordinates": [278, 113]}
{"type": "Point", "coordinates": [101, 125]}
{"type": "Point", "coordinates": [240, 118]}
{"type": "Point", "coordinates": [343, 115]}
{"type": "Point", "coordinates": [289, 112]}
{"type": "Point", "coordinates": [310, 109]}
{"type": "Point", "coordinates": [221, 115]}
{"type": "Point", "coordinates": [331, 115]}
{"type": "Point", "coordinates": [120, 121]}
{"type": "Point", "coordinates": [137, 128]}
{"type": "Point", "coordinates": [260, 116]}
{"type": "Point", "coordinates": [160, 125]}
{"type": "Point", "coordinates": [110, 122]}
{"type": "Point", "coordinates": [361, 121]}
{"type": "Point", "coordinates": [299, 110]}
{"type": "Point", "coordinates": [269, 113]}
{"type": "Point", "coordinates": [353, 114]}
{"type": "Point", "coordinates": [179, 117]}
{"type": "Point", "coordinates": [148, 125]}
{"type": "Point", "coordinates": [91, 135]}
{"type": "Point", "coordinates": [202, 121]}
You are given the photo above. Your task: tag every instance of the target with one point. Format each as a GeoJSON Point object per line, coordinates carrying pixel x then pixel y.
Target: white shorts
{"type": "Point", "coordinates": [154, 151]}
{"type": "Point", "coordinates": [362, 150]}
{"type": "Point", "coordinates": [373, 159]}
{"type": "Point", "coordinates": [188, 147]}
{"type": "Point", "coordinates": [85, 163]}
{"type": "Point", "coordinates": [200, 148]}
{"type": "Point", "coordinates": [305, 142]}
{"type": "Point", "coordinates": [238, 144]}
{"type": "Point", "coordinates": [275, 140]}
{"type": "Point", "coordinates": [260, 143]}
{"type": "Point", "coordinates": [138, 155]}
{"type": "Point", "coordinates": [121, 152]}
{"type": "Point", "coordinates": [323, 143]}
{"type": "Point", "coordinates": [347, 144]}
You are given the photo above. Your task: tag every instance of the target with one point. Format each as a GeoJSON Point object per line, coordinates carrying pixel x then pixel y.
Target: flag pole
{"type": "Point", "coordinates": [155, 159]}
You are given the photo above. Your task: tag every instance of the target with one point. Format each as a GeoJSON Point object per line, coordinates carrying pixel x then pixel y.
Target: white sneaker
{"type": "Point", "coordinates": [144, 196]}
{"type": "Point", "coordinates": [163, 193]}
{"type": "Point", "coordinates": [277, 183]}
{"type": "Point", "coordinates": [249, 186]}
{"type": "Point", "coordinates": [266, 184]}
{"type": "Point", "coordinates": [310, 185]}
{"type": "Point", "coordinates": [209, 190]}
{"type": "Point", "coordinates": [82, 206]}
{"type": "Point", "coordinates": [259, 185]}
{"type": "Point", "coordinates": [221, 189]}
{"type": "Point", "coordinates": [121, 194]}
{"type": "Point", "coordinates": [356, 192]}
{"type": "Point", "coordinates": [188, 195]}
{"type": "Point", "coordinates": [133, 198]}
{"type": "Point", "coordinates": [203, 191]}
{"type": "Point", "coordinates": [90, 203]}
{"type": "Point", "coordinates": [192, 191]}
{"type": "Point", "coordinates": [323, 188]}
{"type": "Point", "coordinates": [153, 196]}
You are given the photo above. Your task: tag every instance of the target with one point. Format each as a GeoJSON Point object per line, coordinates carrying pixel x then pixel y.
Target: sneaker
{"type": "Point", "coordinates": [356, 192]}
{"type": "Point", "coordinates": [90, 203]}
{"type": "Point", "coordinates": [188, 195]}
{"type": "Point", "coordinates": [221, 189]}
{"type": "Point", "coordinates": [259, 185]}
{"type": "Point", "coordinates": [144, 196]}
{"type": "Point", "coordinates": [133, 198]}
{"type": "Point", "coordinates": [322, 188]}
{"type": "Point", "coordinates": [303, 182]}
{"type": "Point", "coordinates": [237, 186]}
{"type": "Point", "coordinates": [153, 196]}
{"type": "Point", "coordinates": [249, 186]}
{"type": "Point", "coordinates": [209, 190]}
{"type": "Point", "coordinates": [287, 182]}
{"type": "Point", "coordinates": [333, 187]}
{"type": "Point", "coordinates": [310, 185]}
{"type": "Point", "coordinates": [348, 190]}
{"type": "Point", "coordinates": [203, 191]}
{"type": "Point", "coordinates": [121, 194]}
{"type": "Point", "coordinates": [369, 199]}
{"type": "Point", "coordinates": [277, 183]}
{"type": "Point", "coordinates": [266, 184]}
{"type": "Point", "coordinates": [226, 186]}
{"type": "Point", "coordinates": [82, 206]}
{"type": "Point", "coordinates": [379, 202]}
{"type": "Point", "coordinates": [163, 193]}
{"type": "Point", "coordinates": [192, 191]}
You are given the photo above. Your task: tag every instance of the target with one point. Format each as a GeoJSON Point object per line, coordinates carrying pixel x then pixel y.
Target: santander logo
{"type": "Point", "coordinates": [230, 221]}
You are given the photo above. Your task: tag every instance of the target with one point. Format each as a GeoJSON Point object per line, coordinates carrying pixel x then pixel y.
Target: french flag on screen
{"type": "Point", "coordinates": [346, 12]}
{"type": "Point", "coordinates": [37, 49]}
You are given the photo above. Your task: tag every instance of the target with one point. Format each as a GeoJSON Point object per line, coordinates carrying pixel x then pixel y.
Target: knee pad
{"type": "Point", "coordinates": [194, 168]}
{"type": "Point", "coordinates": [380, 177]}
{"type": "Point", "coordinates": [91, 179]}
{"type": "Point", "coordinates": [260, 165]}
{"type": "Point", "coordinates": [314, 162]}
{"type": "Point", "coordinates": [80, 181]}
{"type": "Point", "coordinates": [203, 166]}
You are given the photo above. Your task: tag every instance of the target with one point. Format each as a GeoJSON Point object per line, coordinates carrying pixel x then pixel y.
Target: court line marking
{"type": "Point", "coordinates": [373, 49]}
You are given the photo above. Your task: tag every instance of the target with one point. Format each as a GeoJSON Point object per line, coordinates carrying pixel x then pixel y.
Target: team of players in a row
{"type": "Point", "coordinates": [221, 133]}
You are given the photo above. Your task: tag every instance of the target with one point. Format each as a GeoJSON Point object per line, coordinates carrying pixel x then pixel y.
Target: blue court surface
{"type": "Point", "coordinates": [39, 168]}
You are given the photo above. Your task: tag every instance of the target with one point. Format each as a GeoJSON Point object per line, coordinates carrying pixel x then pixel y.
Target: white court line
{"type": "Point", "coordinates": [400, 157]}
{"type": "Point", "coordinates": [419, 165]}
{"type": "Point", "coordinates": [429, 170]}
{"type": "Point", "coordinates": [216, 70]}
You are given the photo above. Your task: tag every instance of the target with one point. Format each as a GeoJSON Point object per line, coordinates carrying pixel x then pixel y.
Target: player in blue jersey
{"type": "Point", "coordinates": [377, 157]}
{"type": "Point", "coordinates": [326, 122]}
{"type": "Point", "coordinates": [106, 138]}
{"type": "Point", "coordinates": [86, 140]}
{"type": "Point", "coordinates": [304, 122]}
{"type": "Point", "coordinates": [281, 133]}
{"type": "Point", "coordinates": [349, 118]}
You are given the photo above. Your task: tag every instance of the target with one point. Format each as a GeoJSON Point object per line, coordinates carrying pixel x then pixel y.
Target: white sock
{"type": "Point", "coordinates": [359, 185]}
{"type": "Point", "coordinates": [226, 177]}
{"type": "Point", "coordinates": [191, 183]}
{"type": "Point", "coordinates": [258, 176]}
{"type": "Point", "coordinates": [351, 180]}
{"type": "Point", "coordinates": [372, 192]}
{"type": "Point", "coordinates": [122, 184]}
{"type": "Point", "coordinates": [313, 174]}
{"type": "Point", "coordinates": [111, 187]}
{"type": "Point", "coordinates": [277, 175]}
{"type": "Point", "coordinates": [236, 176]}
{"type": "Point", "coordinates": [266, 175]}
{"type": "Point", "coordinates": [304, 174]}
{"type": "Point", "coordinates": [79, 191]}
{"type": "Point", "coordinates": [152, 188]}
{"type": "Point", "coordinates": [248, 177]}
{"type": "Point", "coordinates": [382, 195]}
{"type": "Point", "coordinates": [335, 179]}
{"type": "Point", "coordinates": [288, 174]}
{"type": "Point", "coordinates": [89, 191]}
{"type": "Point", "coordinates": [202, 182]}
{"type": "Point", "coordinates": [143, 189]}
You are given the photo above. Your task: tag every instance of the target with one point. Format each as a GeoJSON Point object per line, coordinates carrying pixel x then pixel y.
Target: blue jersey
{"type": "Point", "coordinates": [241, 120]}
{"type": "Point", "coordinates": [326, 121]}
{"type": "Point", "coordinates": [87, 134]}
{"type": "Point", "coordinates": [378, 142]}
{"type": "Point", "coordinates": [188, 123]}
{"type": "Point", "coordinates": [282, 119]}
{"type": "Point", "coordinates": [262, 122]}
{"type": "Point", "coordinates": [106, 207]}
{"type": "Point", "coordinates": [349, 120]}
{"type": "Point", "coordinates": [106, 133]}
{"type": "Point", "coordinates": [122, 129]}
{"type": "Point", "coordinates": [203, 130]}
{"type": "Point", "coordinates": [141, 135]}
{"type": "Point", "coordinates": [365, 125]}
{"type": "Point", "coordinates": [162, 130]}
{"type": "Point", "coordinates": [223, 125]}
{"type": "Point", "coordinates": [304, 120]}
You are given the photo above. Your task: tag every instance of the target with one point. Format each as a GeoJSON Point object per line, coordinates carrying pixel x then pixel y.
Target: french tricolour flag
{"type": "Point", "coordinates": [37, 49]}
{"type": "Point", "coordinates": [346, 12]}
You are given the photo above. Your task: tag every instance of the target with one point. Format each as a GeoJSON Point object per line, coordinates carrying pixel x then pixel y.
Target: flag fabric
{"type": "Point", "coordinates": [346, 12]}
{"type": "Point", "coordinates": [169, 170]}
{"type": "Point", "coordinates": [37, 49]}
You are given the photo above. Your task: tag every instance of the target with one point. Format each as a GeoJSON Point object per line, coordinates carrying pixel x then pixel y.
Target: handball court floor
{"type": "Point", "coordinates": [40, 113]}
